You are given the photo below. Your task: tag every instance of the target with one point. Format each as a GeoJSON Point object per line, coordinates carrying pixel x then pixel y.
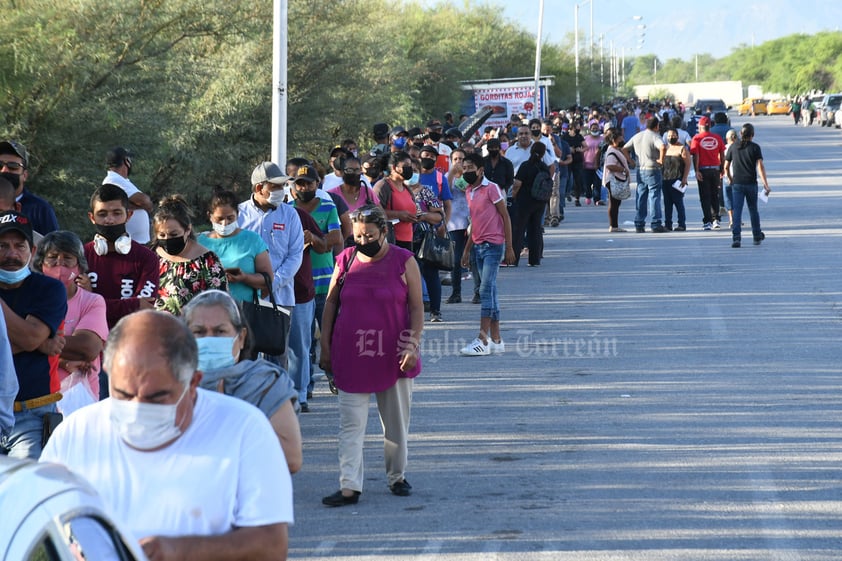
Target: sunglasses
{"type": "Point", "coordinates": [13, 166]}
{"type": "Point", "coordinates": [359, 215]}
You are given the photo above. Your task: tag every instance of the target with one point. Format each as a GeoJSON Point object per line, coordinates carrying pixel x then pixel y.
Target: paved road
{"type": "Point", "coordinates": [663, 397]}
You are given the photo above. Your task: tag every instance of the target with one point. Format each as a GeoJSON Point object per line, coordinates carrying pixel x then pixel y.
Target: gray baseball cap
{"type": "Point", "coordinates": [268, 172]}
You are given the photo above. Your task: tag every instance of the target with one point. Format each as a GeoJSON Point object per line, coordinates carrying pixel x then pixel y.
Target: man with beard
{"type": "Point", "coordinates": [122, 271]}
{"type": "Point", "coordinates": [14, 165]}
{"type": "Point", "coordinates": [34, 307]}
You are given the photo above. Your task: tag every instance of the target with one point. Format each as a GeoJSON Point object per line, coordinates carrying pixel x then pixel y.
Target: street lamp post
{"type": "Point", "coordinates": [576, 35]}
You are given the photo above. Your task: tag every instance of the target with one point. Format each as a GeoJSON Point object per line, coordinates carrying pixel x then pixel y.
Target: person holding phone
{"type": "Point", "coordinates": [243, 253]}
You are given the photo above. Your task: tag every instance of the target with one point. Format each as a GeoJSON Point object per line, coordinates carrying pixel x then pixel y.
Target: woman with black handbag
{"type": "Point", "coordinates": [430, 215]}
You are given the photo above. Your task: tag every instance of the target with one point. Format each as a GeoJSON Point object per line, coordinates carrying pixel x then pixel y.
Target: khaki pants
{"type": "Point", "coordinates": [393, 405]}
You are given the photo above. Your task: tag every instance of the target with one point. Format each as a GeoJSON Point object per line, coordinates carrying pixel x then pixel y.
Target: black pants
{"type": "Point", "coordinates": [529, 220]}
{"type": "Point", "coordinates": [709, 194]}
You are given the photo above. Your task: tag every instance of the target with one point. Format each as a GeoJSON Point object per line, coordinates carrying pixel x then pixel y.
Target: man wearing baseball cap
{"type": "Point", "coordinates": [708, 153]}
{"type": "Point", "coordinates": [278, 224]}
{"type": "Point", "coordinates": [119, 162]}
{"type": "Point", "coordinates": [14, 166]}
{"type": "Point", "coordinates": [34, 307]}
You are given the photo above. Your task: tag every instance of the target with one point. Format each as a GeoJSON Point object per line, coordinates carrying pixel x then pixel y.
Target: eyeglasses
{"type": "Point", "coordinates": [66, 260]}
{"type": "Point", "coordinates": [12, 166]}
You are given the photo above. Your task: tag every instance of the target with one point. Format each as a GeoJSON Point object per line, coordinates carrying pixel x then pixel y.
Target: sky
{"type": "Point", "coordinates": [676, 29]}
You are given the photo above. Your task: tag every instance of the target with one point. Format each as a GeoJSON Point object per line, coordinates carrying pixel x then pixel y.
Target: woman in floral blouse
{"type": "Point", "coordinates": [187, 267]}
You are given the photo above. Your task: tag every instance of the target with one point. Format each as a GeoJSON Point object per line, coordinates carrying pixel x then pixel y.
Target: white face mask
{"type": "Point", "coordinates": [146, 426]}
{"type": "Point", "coordinates": [276, 198]}
{"type": "Point", "coordinates": [224, 230]}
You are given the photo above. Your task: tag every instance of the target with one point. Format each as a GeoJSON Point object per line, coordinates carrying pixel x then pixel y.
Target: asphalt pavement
{"type": "Point", "coordinates": [662, 397]}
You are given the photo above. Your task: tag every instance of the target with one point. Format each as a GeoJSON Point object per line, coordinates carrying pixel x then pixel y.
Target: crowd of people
{"type": "Point", "coordinates": [136, 335]}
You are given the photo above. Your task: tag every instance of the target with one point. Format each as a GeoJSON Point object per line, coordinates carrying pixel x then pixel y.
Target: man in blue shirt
{"type": "Point", "coordinates": [14, 161]}
{"type": "Point", "coordinates": [34, 307]}
{"type": "Point", "coordinates": [435, 180]}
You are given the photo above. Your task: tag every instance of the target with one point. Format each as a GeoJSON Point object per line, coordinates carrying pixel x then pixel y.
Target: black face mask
{"type": "Point", "coordinates": [406, 172]}
{"type": "Point", "coordinates": [435, 136]}
{"type": "Point", "coordinates": [372, 172]}
{"type": "Point", "coordinates": [13, 178]}
{"type": "Point", "coordinates": [352, 179]}
{"type": "Point", "coordinates": [306, 196]}
{"type": "Point", "coordinates": [493, 153]}
{"type": "Point", "coordinates": [470, 177]}
{"type": "Point", "coordinates": [173, 246]}
{"type": "Point", "coordinates": [110, 232]}
{"type": "Point", "coordinates": [427, 163]}
{"type": "Point", "coordinates": [673, 141]}
{"type": "Point", "coordinates": [369, 249]}
{"type": "Point", "coordinates": [535, 132]}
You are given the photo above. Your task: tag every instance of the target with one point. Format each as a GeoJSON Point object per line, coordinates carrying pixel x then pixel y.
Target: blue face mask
{"type": "Point", "coordinates": [215, 352]}
{"type": "Point", "coordinates": [14, 277]}
{"type": "Point", "coordinates": [399, 142]}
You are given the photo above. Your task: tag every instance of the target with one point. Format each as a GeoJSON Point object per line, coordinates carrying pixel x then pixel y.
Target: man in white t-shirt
{"type": "Point", "coordinates": [119, 162]}
{"type": "Point", "coordinates": [194, 474]}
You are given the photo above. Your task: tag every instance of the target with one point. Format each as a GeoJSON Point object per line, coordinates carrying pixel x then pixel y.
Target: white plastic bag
{"type": "Point", "coordinates": [75, 393]}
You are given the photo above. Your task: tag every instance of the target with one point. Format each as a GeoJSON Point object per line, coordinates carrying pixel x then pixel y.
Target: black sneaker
{"type": "Point", "coordinates": [454, 299]}
{"type": "Point", "coordinates": [659, 229]}
{"type": "Point", "coordinates": [475, 299]}
{"type": "Point", "coordinates": [735, 243]}
{"type": "Point", "coordinates": [338, 499]}
{"type": "Point", "coordinates": [639, 229]}
{"type": "Point", "coordinates": [402, 488]}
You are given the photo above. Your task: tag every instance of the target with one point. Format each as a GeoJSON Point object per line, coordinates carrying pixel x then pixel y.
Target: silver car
{"type": "Point", "coordinates": [51, 514]}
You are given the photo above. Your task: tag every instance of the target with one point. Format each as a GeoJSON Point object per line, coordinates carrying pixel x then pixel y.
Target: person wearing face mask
{"type": "Point", "coordinates": [222, 337]}
{"type": "Point", "coordinates": [355, 189]}
{"type": "Point", "coordinates": [122, 271]}
{"type": "Point", "coordinates": [187, 267]}
{"type": "Point", "coordinates": [243, 253]}
{"type": "Point", "coordinates": [398, 138]}
{"type": "Point", "coordinates": [385, 361]}
{"type": "Point", "coordinates": [677, 165]}
{"type": "Point", "coordinates": [119, 161]}
{"type": "Point", "coordinates": [321, 233]}
{"type": "Point", "coordinates": [279, 225]}
{"type": "Point", "coordinates": [333, 179]}
{"type": "Point", "coordinates": [593, 141]}
{"type": "Point", "coordinates": [192, 473]}
{"type": "Point", "coordinates": [436, 181]}
{"type": "Point", "coordinates": [396, 198]}
{"type": "Point", "coordinates": [34, 307]}
{"type": "Point", "coordinates": [61, 256]}
{"type": "Point", "coordinates": [14, 160]}
{"type": "Point", "coordinates": [434, 138]}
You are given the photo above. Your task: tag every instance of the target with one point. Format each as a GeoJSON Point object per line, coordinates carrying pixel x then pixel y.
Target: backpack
{"type": "Point", "coordinates": [542, 186]}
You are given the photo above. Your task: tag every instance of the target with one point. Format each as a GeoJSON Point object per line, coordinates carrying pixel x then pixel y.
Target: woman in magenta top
{"type": "Point", "coordinates": [371, 330]}
{"type": "Point", "coordinates": [396, 198]}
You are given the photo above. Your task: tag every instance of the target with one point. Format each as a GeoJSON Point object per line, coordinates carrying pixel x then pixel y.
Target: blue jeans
{"type": "Point", "coordinates": [489, 256]}
{"type": "Point", "coordinates": [648, 197]}
{"type": "Point", "coordinates": [298, 351]}
{"type": "Point", "coordinates": [748, 193]}
{"type": "Point", "coordinates": [459, 238]}
{"type": "Point", "coordinates": [24, 441]}
{"type": "Point", "coordinates": [317, 318]}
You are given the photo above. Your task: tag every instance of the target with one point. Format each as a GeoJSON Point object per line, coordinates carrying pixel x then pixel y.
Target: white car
{"type": "Point", "coordinates": [51, 514]}
{"type": "Point", "coordinates": [838, 118]}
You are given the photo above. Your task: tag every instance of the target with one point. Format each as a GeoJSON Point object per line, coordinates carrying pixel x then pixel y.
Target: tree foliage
{"type": "Point", "coordinates": [186, 84]}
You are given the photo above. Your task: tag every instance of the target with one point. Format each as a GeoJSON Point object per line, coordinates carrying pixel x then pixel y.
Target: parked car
{"type": "Point", "coordinates": [51, 514]}
{"type": "Point", "coordinates": [838, 119]}
{"type": "Point", "coordinates": [701, 105]}
{"type": "Point", "coordinates": [753, 106]}
{"type": "Point", "coordinates": [827, 113]}
{"type": "Point", "coordinates": [778, 107]}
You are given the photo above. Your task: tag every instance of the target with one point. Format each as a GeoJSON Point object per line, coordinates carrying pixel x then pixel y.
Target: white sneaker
{"type": "Point", "coordinates": [716, 225]}
{"type": "Point", "coordinates": [476, 348]}
{"type": "Point", "coordinates": [496, 348]}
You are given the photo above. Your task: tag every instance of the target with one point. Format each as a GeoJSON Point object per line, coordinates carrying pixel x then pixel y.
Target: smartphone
{"type": "Point", "coordinates": [233, 270]}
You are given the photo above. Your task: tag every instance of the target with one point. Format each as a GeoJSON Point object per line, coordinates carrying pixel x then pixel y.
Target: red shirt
{"type": "Point", "coordinates": [708, 148]}
{"type": "Point", "coordinates": [122, 279]}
